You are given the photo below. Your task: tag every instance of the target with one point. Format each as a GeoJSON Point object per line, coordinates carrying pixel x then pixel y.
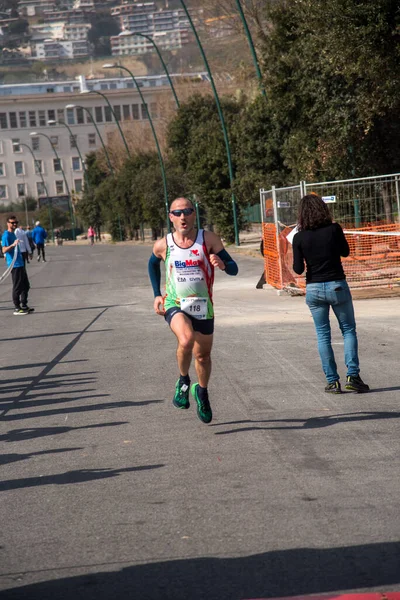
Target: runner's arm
{"type": "Point", "coordinates": [219, 257]}
{"type": "Point", "coordinates": [231, 267]}
{"type": "Point", "coordinates": [155, 274]}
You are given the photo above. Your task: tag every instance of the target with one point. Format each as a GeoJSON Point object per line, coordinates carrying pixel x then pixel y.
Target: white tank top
{"type": "Point", "coordinates": [189, 278]}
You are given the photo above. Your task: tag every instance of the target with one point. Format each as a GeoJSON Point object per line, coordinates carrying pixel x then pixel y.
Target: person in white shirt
{"type": "Point", "coordinates": [24, 244]}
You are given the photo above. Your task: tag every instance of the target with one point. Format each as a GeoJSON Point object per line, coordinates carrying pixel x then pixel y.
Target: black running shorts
{"type": "Point", "coordinates": [204, 326]}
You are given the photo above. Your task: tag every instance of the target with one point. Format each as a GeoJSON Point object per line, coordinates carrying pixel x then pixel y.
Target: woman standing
{"type": "Point", "coordinates": [321, 243]}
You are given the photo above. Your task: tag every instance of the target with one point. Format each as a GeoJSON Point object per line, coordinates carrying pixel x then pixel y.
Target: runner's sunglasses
{"type": "Point", "coordinates": [179, 211]}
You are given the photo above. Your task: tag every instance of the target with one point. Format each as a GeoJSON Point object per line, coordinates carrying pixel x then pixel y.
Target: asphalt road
{"type": "Point", "coordinates": [108, 491]}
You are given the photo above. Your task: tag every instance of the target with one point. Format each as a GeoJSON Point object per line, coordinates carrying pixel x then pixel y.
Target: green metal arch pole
{"type": "Point", "coordinates": [71, 215]}
{"type": "Point", "coordinates": [252, 47]}
{"type": "Point", "coordinates": [221, 116]}
{"type": "Point", "coordinates": [106, 154]}
{"type": "Point", "coordinates": [77, 147]}
{"type": "Point", "coordinates": [115, 117]}
{"type": "Point", "coordinates": [164, 178]}
{"type": "Point", "coordinates": [35, 161]}
{"type": "Point", "coordinates": [163, 64]}
{"type": "Point", "coordinates": [100, 137]}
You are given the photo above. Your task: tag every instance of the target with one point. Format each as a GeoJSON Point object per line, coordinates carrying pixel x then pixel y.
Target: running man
{"type": "Point", "coordinates": [190, 258]}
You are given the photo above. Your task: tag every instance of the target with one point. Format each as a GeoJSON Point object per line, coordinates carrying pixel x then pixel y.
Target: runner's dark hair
{"type": "Point", "coordinates": [313, 213]}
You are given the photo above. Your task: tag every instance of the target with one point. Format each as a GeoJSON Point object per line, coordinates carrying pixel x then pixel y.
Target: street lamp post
{"type": "Point", "coordinates": [52, 122]}
{"type": "Point", "coordinates": [221, 117]}
{"type": "Point", "coordinates": [71, 215]}
{"type": "Point", "coordinates": [114, 115]}
{"type": "Point", "coordinates": [252, 47]}
{"type": "Point", "coordinates": [98, 133]}
{"type": "Point", "coordinates": [163, 64]}
{"type": "Point", "coordinates": [164, 178]}
{"type": "Point", "coordinates": [105, 151]}
{"type": "Point", "coordinates": [36, 163]}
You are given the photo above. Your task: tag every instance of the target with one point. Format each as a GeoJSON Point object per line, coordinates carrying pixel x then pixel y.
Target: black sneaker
{"type": "Point", "coordinates": [38, 258]}
{"type": "Point", "coordinates": [181, 398]}
{"type": "Point", "coordinates": [356, 384]}
{"type": "Point", "coordinates": [333, 388]}
{"type": "Point", "coordinates": [28, 309]}
{"type": "Point", "coordinates": [20, 311]}
{"type": "Point", "coordinates": [203, 405]}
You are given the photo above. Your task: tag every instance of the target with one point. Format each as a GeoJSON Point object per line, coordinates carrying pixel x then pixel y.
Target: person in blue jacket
{"type": "Point", "coordinates": [20, 289]}
{"type": "Point", "coordinates": [39, 235]}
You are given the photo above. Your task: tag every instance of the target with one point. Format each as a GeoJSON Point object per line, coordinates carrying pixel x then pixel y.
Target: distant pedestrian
{"type": "Point", "coordinates": [28, 232]}
{"type": "Point", "coordinates": [91, 234]}
{"type": "Point", "coordinates": [320, 243]}
{"type": "Point", "coordinates": [24, 244]}
{"type": "Point", "coordinates": [39, 235]}
{"type": "Point", "coordinates": [20, 289]}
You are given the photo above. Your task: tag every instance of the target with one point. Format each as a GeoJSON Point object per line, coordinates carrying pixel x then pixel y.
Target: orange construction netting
{"type": "Point", "coordinates": [374, 257]}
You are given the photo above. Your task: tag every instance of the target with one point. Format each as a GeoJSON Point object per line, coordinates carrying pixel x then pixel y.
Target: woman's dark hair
{"type": "Point", "coordinates": [313, 213]}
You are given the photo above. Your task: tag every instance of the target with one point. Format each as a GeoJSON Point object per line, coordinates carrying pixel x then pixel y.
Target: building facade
{"type": "Point", "coordinates": [27, 109]}
{"type": "Point", "coordinates": [128, 43]}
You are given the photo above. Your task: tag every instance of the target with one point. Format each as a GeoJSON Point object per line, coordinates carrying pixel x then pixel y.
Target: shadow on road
{"type": "Point", "coordinates": [31, 433]}
{"type": "Point", "coordinates": [5, 459]}
{"type": "Point", "coordinates": [80, 476]}
{"type": "Point", "coordinates": [312, 423]}
{"type": "Point", "coordinates": [272, 574]}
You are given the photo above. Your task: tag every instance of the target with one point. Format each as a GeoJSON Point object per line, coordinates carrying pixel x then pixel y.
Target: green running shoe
{"type": "Point", "coordinates": [181, 398]}
{"type": "Point", "coordinates": [204, 411]}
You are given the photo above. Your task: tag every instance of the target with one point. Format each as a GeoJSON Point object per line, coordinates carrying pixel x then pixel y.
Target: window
{"type": "Point", "coordinates": [92, 139]}
{"type": "Point", "coordinates": [19, 167]}
{"type": "Point", "coordinates": [80, 116]}
{"type": "Point", "coordinates": [89, 115]}
{"type": "Point", "coordinates": [59, 187]}
{"type": "Point", "coordinates": [2, 170]}
{"type": "Point", "coordinates": [40, 188]}
{"type": "Point", "coordinates": [21, 191]}
{"type": "Point", "coordinates": [113, 86]}
{"type": "Point", "coordinates": [70, 116]}
{"type": "Point", "coordinates": [13, 120]}
{"type": "Point", "coordinates": [117, 110]}
{"type": "Point", "coordinates": [42, 118]}
{"type": "Point", "coordinates": [78, 186]}
{"type": "Point", "coordinates": [35, 143]}
{"type": "Point", "coordinates": [38, 167]}
{"type": "Point", "coordinates": [57, 165]}
{"type": "Point", "coordinates": [17, 147]}
{"type": "Point", "coordinates": [22, 119]}
{"type": "Point", "coordinates": [104, 86]}
{"type": "Point", "coordinates": [126, 112]}
{"type": "Point", "coordinates": [51, 115]}
{"type": "Point", "coordinates": [107, 114]}
{"type": "Point", "coordinates": [3, 121]}
{"type": "Point", "coordinates": [3, 192]}
{"type": "Point", "coordinates": [32, 118]}
{"type": "Point", "coordinates": [153, 110]}
{"type": "Point", "coordinates": [76, 163]}
{"type": "Point", "coordinates": [72, 141]}
{"type": "Point", "coordinates": [60, 115]}
{"type": "Point", "coordinates": [135, 112]}
{"type": "Point", "coordinates": [99, 114]}
{"type": "Point", "coordinates": [54, 141]}
{"type": "Point", "coordinates": [144, 111]}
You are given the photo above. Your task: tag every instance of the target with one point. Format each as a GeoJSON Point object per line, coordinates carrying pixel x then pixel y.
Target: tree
{"type": "Point", "coordinates": [332, 79]}
{"type": "Point", "coordinates": [59, 217]}
{"type": "Point", "coordinates": [196, 143]}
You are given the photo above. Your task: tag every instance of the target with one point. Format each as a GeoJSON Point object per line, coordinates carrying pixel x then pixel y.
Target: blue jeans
{"type": "Point", "coordinates": [319, 298]}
